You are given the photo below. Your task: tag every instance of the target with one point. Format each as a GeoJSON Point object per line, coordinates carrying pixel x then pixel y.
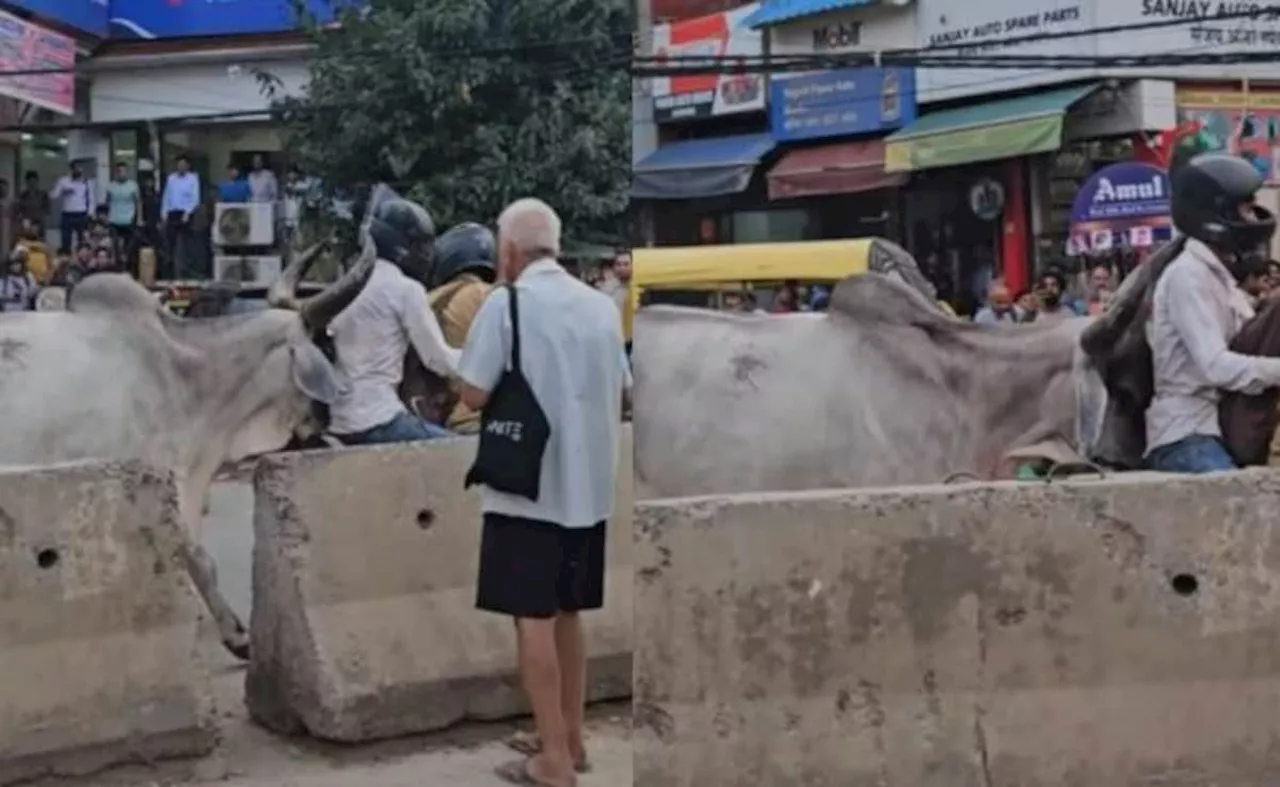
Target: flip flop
{"type": "Point", "coordinates": [517, 772]}
{"type": "Point", "coordinates": [530, 745]}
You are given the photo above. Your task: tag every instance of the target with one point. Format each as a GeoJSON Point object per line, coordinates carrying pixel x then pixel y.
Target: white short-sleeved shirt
{"type": "Point", "coordinates": [572, 353]}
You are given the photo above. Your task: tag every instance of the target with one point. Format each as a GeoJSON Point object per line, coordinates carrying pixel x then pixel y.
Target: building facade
{"type": "Point", "coordinates": [147, 81]}
{"type": "Point", "coordinates": [976, 170]}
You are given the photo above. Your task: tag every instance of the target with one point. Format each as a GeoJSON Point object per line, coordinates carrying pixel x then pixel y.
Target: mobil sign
{"type": "Point", "coordinates": [1122, 192]}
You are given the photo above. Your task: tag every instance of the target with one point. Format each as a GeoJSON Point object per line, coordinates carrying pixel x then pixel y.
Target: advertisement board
{"type": "Point", "coordinates": [1200, 31]}
{"type": "Point", "coordinates": [707, 95]}
{"type": "Point", "coordinates": [26, 46]}
{"type": "Point", "coordinates": [1234, 122]}
{"type": "Point", "coordinates": [149, 19]}
{"type": "Point", "coordinates": [950, 22]}
{"type": "Point", "coordinates": [841, 103]}
{"type": "Point", "coordinates": [86, 16]}
{"type": "Point", "coordinates": [1125, 204]}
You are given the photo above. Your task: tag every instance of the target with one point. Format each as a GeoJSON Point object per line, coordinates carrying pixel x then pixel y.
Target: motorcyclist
{"type": "Point", "coordinates": [373, 335]}
{"type": "Point", "coordinates": [463, 273]}
{"type": "Point", "coordinates": [1200, 314]}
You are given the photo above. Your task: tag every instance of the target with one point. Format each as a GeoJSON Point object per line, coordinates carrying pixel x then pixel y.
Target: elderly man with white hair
{"type": "Point", "coordinates": [542, 555]}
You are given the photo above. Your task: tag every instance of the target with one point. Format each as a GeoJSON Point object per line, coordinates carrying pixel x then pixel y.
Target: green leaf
{"type": "Point", "coordinates": [467, 105]}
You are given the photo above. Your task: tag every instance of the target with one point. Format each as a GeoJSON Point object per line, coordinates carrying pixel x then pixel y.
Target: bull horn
{"type": "Point", "coordinates": [318, 310]}
{"type": "Point", "coordinates": [284, 293]}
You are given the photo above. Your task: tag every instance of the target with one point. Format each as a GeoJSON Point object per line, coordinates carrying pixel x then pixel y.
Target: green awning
{"type": "Point", "coordinates": [984, 132]}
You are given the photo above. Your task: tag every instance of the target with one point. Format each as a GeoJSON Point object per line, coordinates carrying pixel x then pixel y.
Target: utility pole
{"type": "Point", "coordinates": [644, 133]}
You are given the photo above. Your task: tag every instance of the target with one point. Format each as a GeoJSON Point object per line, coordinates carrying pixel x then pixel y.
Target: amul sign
{"type": "Point", "coordinates": [1129, 190]}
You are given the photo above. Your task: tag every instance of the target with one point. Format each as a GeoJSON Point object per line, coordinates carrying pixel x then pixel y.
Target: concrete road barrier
{"type": "Point", "coordinates": [1122, 631]}
{"type": "Point", "coordinates": [99, 660]}
{"type": "Point", "coordinates": [364, 571]}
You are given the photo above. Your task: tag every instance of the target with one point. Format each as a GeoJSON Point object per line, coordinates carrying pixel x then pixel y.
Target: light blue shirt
{"type": "Point", "coordinates": [122, 202]}
{"type": "Point", "coordinates": [573, 357]}
{"type": "Point", "coordinates": [181, 193]}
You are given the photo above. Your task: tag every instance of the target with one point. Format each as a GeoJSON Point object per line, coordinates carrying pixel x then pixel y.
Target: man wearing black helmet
{"type": "Point", "coordinates": [462, 274]}
{"type": "Point", "coordinates": [374, 334]}
{"type": "Point", "coordinates": [1199, 310]}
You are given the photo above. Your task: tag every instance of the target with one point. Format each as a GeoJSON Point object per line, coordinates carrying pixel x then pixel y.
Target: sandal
{"type": "Point", "coordinates": [530, 745]}
{"type": "Point", "coordinates": [519, 772]}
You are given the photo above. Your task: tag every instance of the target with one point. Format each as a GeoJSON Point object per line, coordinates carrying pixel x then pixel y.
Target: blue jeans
{"type": "Point", "coordinates": [1199, 453]}
{"type": "Point", "coordinates": [404, 428]}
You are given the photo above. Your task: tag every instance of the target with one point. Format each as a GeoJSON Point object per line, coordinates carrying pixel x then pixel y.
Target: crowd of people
{"type": "Point", "coordinates": [136, 213]}
{"type": "Point", "coordinates": [31, 266]}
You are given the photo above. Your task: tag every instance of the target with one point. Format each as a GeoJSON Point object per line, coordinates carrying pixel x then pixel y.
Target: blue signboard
{"type": "Point", "coordinates": [197, 18]}
{"type": "Point", "coordinates": [1125, 204]}
{"type": "Point", "coordinates": [1128, 190]}
{"type": "Point", "coordinates": [841, 102]}
{"type": "Point", "coordinates": [86, 16]}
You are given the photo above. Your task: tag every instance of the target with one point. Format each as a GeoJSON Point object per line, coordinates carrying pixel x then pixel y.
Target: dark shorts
{"type": "Point", "coordinates": [535, 569]}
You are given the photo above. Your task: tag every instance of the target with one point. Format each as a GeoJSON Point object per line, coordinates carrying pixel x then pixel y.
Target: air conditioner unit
{"type": "Point", "coordinates": [251, 271]}
{"type": "Point", "coordinates": [244, 224]}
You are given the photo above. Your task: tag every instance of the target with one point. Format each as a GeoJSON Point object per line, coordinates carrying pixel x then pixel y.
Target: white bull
{"type": "Point", "coordinates": [881, 390]}
{"type": "Point", "coordinates": [119, 377]}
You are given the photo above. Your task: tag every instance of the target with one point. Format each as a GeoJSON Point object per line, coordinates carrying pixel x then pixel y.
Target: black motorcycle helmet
{"type": "Point", "coordinates": [404, 233]}
{"type": "Point", "coordinates": [466, 248]}
{"type": "Point", "coordinates": [1211, 191]}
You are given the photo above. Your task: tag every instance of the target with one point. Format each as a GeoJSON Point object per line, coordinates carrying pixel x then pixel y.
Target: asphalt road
{"type": "Point", "coordinates": [228, 535]}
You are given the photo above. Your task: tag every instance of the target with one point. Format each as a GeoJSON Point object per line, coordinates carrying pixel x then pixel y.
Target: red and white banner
{"type": "Point", "coordinates": [26, 49]}
{"type": "Point", "coordinates": [719, 35]}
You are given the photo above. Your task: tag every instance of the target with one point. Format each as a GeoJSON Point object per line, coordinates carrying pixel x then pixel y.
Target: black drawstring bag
{"type": "Point", "coordinates": [513, 428]}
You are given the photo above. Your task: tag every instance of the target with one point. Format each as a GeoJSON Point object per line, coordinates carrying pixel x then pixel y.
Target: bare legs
{"type": "Point", "coordinates": [571, 652]}
{"type": "Point", "coordinates": [553, 669]}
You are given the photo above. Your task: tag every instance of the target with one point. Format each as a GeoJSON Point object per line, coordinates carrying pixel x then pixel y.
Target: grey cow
{"type": "Point", "coordinates": [883, 389]}
{"type": "Point", "coordinates": [119, 377]}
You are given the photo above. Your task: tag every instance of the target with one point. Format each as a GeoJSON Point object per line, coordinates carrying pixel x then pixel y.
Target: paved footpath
{"type": "Point", "coordinates": [251, 757]}
{"type": "Point", "coordinates": [465, 757]}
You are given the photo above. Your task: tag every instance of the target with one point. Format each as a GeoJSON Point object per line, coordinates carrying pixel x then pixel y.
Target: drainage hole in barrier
{"type": "Point", "coordinates": [1184, 584]}
{"type": "Point", "coordinates": [47, 558]}
{"type": "Point", "coordinates": [426, 518]}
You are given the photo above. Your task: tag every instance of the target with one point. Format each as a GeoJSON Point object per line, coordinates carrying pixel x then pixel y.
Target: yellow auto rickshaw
{"type": "Point", "coordinates": [762, 265]}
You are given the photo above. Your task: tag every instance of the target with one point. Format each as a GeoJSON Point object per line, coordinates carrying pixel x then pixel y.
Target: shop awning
{"type": "Point", "coordinates": [840, 168]}
{"type": "Point", "coordinates": [698, 168]}
{"type": "Point", "coordinates": [984, 132]}
{"type": "Point", "coordinates": [775, 12]}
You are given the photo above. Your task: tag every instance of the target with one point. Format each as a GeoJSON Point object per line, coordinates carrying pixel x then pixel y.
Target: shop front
{"type": "Point", "coordinates": [985, 192]}
{"type": "Point", "coordinates": [707, 191]}
{"type": "Point", "coordinates": [34, 106]}
{"type": "Point", "coordinates": [829, 126]}
{"type": "Point", "coordinates": [702, 184]}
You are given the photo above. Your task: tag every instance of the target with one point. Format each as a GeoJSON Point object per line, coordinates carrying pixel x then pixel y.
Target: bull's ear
{"type": "Point", "coordinates": [314, 375]}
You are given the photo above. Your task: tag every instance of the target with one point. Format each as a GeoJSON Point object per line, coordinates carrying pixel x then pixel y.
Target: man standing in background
{"type": "Point", "coordinates": [33, 204]}
{"type": "Point", "coordinates": [7, 223]}
{"type": "Point", "coordinates": [178, 204]}
{"type": "Point", "coordinates": [263, 184]}
{"type": "Point", "coordinates": [617, 285]}
{"type": "Point", "coordinates": [542, 561]}
{"type": "Point", "coordinates": [76, 200]}
{"type": "Point", "coordinates": [123, 215]}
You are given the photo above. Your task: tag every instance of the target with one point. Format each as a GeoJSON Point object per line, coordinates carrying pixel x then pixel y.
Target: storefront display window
{"type": "Point", "coordinates": [766, 226]}
{"type": "Point", "coordinates": [957, 249]}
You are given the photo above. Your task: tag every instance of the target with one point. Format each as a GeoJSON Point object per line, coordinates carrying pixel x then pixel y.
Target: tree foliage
{"type": "Point", "coordinates": [466, 105]}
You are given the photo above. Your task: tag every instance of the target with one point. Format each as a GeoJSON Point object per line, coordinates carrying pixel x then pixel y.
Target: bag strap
{"type": "Point", "coordinates": [515, 327]}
